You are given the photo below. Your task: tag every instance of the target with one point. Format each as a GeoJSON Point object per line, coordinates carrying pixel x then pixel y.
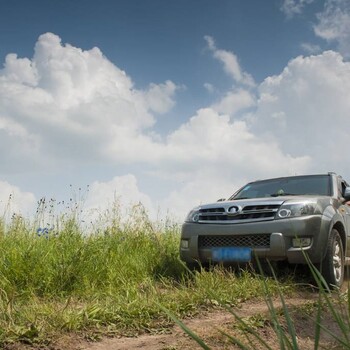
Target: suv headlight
{"type": "Point", "coordinates": [290, 210]}
{"type": "Point", "coordinates": [193, 215]}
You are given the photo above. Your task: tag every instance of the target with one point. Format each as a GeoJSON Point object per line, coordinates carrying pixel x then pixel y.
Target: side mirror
{"type": "Point", "coordinates": [223, 199]}
{"type": "Point", "coordinates": [346, 194]}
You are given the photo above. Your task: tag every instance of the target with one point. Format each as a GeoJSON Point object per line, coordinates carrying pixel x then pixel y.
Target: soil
{"type": "Point", "coordinates": [209, 325]}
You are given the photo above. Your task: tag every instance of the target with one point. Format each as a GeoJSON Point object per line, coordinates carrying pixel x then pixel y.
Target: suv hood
{"type": "Point", "coordinates": [258, 201]}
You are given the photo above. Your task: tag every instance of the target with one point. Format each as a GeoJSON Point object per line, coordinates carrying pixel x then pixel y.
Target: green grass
{"type": "Point", "coordinates": [114, 277]}
{"type": "Point", "coordinates": [122, 275]}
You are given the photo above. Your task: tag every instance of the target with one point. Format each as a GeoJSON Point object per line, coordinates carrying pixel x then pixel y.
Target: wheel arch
{"type": "Point", "coordinates": [340, 228]}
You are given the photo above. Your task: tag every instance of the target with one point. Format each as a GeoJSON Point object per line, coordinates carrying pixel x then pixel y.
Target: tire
{"type": "Point", "coordinates": [332, 266]}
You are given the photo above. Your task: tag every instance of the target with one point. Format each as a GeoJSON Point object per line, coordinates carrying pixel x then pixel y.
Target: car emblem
{"type": "Point", "coordinates": [233, 210]}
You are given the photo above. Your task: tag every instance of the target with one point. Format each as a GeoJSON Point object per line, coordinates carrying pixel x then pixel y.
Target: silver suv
{"type": "Point", "coordinates": [276, 219]}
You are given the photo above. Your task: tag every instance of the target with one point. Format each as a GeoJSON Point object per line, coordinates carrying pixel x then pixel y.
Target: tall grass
{"type": "Point", "coordinates": [118, 275]}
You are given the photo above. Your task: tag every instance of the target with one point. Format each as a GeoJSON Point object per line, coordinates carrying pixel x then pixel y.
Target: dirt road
{"type": "Point", "coordinates": [210, 325]}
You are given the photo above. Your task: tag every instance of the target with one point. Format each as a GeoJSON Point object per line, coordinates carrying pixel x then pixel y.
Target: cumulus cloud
{"type": "Point", "coordinates": [231, 63]}
{"type": "Point", "coordinates": [159, 97]}
{"type": "Point", "coordinates": [66, 101]}
{"type": "Point", "coordinates": [294, 7]}
{"type": "Point", "coordinates": [334, 24]}
{"type": "Point", "coordinates": [306, 109]}
{"type": "Point", "coordinates": [234, 101]}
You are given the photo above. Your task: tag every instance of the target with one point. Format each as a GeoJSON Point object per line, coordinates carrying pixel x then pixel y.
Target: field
{"type": "Point", "coordinates": [64, 285]}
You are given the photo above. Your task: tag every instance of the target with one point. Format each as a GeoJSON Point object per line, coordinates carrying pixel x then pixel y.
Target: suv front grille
{"type": "Point", "coordinates": [249, 212]}
{"type": "Point", "coordinates": [253, 241]}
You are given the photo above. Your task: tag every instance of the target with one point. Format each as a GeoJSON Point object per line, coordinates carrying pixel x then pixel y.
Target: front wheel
{"type": "Point", "coordinates": [333, 263]}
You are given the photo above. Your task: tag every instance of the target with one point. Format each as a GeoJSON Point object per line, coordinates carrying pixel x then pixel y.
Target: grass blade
{"type": "Point", "coordinates": [234, 340]}
{"type": "Point", "coordinates": [188, 331]}
{"type": "Point", "coordinates": [249, 329]}
{"type": "Point", "coordinates": [290, 324]}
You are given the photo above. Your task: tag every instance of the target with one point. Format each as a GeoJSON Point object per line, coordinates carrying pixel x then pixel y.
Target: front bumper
{"type": "Point", "coordinates": [281, 232]}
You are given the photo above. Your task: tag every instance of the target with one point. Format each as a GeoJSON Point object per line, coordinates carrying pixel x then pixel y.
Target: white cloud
{"type": "Point", "coordinates": [231, 64]}
{"type": "Point", "coordinates": [159, 97]}
{"type": "Point", "coordinates": [20, 70]}
{"type": "Point", "coordinates": [334, 24]}
{"type": "Point", "coordinates": [306, 110]}
{"type": "Point", "coordinates": [294, 7]}
{"type": "Point", "coordinates": [234, 101]}
{"type": "Point", "coordinates": [13, 200]}
{"type": "Point", "coordinates": [67, 101]}
{"type": "Point", "coordinates": [122, 191]}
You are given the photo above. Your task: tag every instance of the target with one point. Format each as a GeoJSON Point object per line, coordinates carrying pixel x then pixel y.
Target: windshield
{"type": "Point", "coordinates": [288, 186]}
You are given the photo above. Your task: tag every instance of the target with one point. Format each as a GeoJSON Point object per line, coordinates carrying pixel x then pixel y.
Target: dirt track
{"type": "Point", "coordinates": [208, 326]}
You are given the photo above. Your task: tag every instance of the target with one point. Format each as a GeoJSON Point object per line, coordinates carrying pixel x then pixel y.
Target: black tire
{"type": "Point", "coordinates": [332, 267]}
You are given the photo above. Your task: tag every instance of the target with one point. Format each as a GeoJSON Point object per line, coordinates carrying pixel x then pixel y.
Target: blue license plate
{"type": "Point", "coordinates": [233, 254]}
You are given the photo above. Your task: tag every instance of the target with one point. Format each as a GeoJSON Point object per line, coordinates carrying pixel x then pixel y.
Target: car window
{"type": "Point", "coordinates": [343, 187]}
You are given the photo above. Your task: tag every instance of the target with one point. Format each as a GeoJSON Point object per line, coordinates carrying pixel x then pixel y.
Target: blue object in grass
{"type": "Point", "coordinates": [43, 232]}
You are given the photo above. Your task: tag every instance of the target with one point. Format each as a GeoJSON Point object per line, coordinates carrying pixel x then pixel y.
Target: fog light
{"type": "Point", "coordinates": [184, 243]}
{"type": "Point", "coordinates": [301, 242]}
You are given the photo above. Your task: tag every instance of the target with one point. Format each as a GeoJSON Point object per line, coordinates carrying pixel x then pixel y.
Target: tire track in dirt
{"type": "Point", "coordinates": [206, 325]}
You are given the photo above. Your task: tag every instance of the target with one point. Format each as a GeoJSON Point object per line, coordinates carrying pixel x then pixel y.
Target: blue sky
{"type": "Point", "coordinates": [177, 93]}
